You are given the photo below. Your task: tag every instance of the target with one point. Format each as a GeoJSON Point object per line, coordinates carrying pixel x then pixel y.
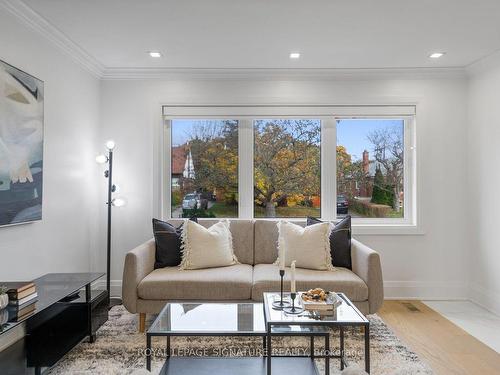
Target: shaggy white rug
{"type": "Point", "coordinates": [119, 349]}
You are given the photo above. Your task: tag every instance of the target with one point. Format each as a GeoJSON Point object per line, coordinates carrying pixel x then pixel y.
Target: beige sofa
{"type": "Point", "coordinates": [146, 290]}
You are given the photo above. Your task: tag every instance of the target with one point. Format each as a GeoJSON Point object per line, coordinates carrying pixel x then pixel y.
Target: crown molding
{"type": "Point", "coordinates": [39, 24]}
{"type": "Point", "coordinates": [485, 64]}
{"type": "Point", "coordinates": [278, 73]}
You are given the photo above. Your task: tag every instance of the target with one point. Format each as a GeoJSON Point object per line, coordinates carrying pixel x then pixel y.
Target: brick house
{"type": "Point", "coordinates": [352, 187]}
{"type": "Point", "coordinates": [182, 167]}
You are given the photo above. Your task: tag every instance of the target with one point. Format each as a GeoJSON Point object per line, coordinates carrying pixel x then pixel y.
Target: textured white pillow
{"type": "Point", "coordinates": [206, 247]}
{"type": "Point", "coordinates": [308, 246]}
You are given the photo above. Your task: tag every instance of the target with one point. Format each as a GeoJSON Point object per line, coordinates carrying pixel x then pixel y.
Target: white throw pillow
{"type": "Point", "coordinates": [308, 246]}
{"type": "Point", "coordinates": [206, 247]}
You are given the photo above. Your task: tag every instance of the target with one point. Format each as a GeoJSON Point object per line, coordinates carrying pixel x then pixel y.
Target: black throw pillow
{"type": "Point", "coordinates": [168, 243]}
{"type": "Point", "coordinates": [340, 241]}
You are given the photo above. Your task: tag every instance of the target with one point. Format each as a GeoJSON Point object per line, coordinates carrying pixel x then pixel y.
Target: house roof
{"type": "Point", "coordinates": [178, 159]}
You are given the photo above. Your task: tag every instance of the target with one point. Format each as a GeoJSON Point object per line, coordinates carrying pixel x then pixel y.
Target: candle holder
{"type": "Point", "coordinates": [281, 304]}
{"type": "Point", "coordinates": [293, 309]}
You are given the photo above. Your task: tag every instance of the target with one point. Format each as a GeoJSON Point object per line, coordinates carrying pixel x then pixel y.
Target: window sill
{"type": "Point", "coordinates": [387, 229]}
{"type": "Point", "coordinates": [358, 229]}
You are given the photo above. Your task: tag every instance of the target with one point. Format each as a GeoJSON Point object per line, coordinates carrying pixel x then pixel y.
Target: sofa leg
{"type": "Point", "coordinates": [142, 322]}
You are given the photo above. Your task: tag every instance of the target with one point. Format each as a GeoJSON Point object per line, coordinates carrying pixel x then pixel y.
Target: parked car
{"type": "Point", "coordinates": [342, 205]}
{"type": "Point", "coordinates": [194, 201]}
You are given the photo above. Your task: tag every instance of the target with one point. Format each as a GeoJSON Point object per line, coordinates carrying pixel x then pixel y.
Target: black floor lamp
{"type": "Point", "coordinates": [111, 202]}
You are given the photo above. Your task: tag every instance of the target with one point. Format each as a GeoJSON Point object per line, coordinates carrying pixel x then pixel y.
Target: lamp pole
{"type": "Point", "coordinates": [111, 188]}
{"type": "Point", "coordinates": [102, 159]}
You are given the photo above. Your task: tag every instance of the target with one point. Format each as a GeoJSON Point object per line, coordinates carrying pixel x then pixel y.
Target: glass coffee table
{"type": "Point", "coordinates": [345, 315]}
{"type": "Point", "coordinates": [226, 319]}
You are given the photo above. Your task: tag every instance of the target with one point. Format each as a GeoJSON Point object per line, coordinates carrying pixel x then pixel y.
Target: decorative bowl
{"type": "Point", "coordinates": [4, 301]}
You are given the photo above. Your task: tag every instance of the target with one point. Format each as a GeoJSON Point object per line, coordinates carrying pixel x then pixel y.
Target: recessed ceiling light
{"type": "Point", "coordinates": [154, 54]}
{"type": "Point", "coordinates": [294, 55]}
{"type": "Point", "coordinates": [437, 55]}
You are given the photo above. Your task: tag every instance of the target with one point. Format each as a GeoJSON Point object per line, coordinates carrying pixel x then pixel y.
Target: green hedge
{"type": "Point", "coordinates": [176, 198]}
{"type": "Point", "coordinates": [382, 193]}
{"type": "Point", "coordinates": [369, 209]}
{"type": "Point", "coordinates": [198, 213]}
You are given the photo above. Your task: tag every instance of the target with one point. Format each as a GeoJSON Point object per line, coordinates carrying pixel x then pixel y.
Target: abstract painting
{"type": "Point", "coordinates": [21, 146]}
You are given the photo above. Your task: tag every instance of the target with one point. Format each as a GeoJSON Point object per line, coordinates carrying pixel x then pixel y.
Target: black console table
{"type": "Point", "coordinates": [67, 311]}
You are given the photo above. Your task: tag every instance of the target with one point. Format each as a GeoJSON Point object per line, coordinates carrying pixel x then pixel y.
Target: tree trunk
{"type": "Point", "coordinates": [270, 209]}
{"type": "Point", "coordinates": [396, 199]}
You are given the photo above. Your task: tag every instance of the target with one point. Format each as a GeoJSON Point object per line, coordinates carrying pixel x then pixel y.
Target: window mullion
{"type": "Point", "coordinates": [409, 170]}
{"type": "Point", "coordinates": [245, 168]}
{"type": "Point", "coordinates": [328, 169]}
{"type": "Point", "coordinates": [166, 167]}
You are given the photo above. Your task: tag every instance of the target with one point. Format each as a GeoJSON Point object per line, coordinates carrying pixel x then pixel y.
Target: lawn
{"type": "Point", "coordinates": [392, 214]}
{"type": "Point", "coordinates": [295, 211]}
{"type": "Point", "coordinates": [396, 215]}
{"type": "Point", "coordinates": [220, 209]}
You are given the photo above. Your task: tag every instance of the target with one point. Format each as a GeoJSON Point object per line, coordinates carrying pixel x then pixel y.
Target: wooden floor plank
{"type": "Point", "coordinates": [447, 348]}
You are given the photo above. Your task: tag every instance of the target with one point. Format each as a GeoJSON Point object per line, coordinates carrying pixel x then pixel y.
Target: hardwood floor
{"type": "Point", "coordinates": [447, 348]}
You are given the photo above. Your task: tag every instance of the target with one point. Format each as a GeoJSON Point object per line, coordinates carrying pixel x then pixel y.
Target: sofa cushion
{"type": "Point", "coordinates": [340, 241]}
{"type": "Point", "coordinates": [221, 283]}
{"type": "Point", "coordinates": [309, 247]}
{"type": "Point", "coordinates": [242, 233]}
{"type": "Point", "coordinates": [207, 247]}
{"type": "Point", "coordinates": [266, 279]}
{"type": "Point", "coordinates": [266, 241]}
{"type": "Point", "coordinates": [168, 243]}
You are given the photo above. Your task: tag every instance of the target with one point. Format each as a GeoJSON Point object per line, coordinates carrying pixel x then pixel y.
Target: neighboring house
{"type": "Point", "coordinates": [353, 187]}
{"type": "Point", "coordinates": [369, 167]}
{"type": "Point", "coordinates": [188, 171]}
{"type": "Point", "coordinates": [182, 166]}
{"type": "Point", "coordinates": [362, 188]}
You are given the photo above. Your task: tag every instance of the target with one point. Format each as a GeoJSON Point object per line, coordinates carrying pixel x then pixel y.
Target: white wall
{"type": "Point", "coordinates": [432, 265]}
{"type": "Point", "coordinates": [63, 240]}
{"type": "Point", "coordinates": [484, 183]}
{"type": "Point", "coordinates": [458, 132]}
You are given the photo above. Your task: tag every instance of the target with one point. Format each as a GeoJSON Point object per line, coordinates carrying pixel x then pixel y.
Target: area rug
{"type": "Point", "coordinates": [119, 349]}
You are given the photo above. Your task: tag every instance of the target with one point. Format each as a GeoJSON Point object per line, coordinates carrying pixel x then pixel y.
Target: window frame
{"type": "Point", "coordinates": [329, 115]}
{"type": "Point", "coordinates": [408, 175]}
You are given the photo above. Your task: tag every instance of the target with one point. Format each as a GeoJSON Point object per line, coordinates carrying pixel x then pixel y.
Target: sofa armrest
{"type": "Point", "coordinates": [138, 264]}
{"type": "Point", "coordinates": [366, 264]}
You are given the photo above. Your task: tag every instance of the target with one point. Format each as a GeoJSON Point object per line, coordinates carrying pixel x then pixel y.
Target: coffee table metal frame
{"type": "Point", "coordinates": [319, 328]}
{"type": "Point", "coordinates": [363, 322]}
{"type": "Point", "coordinates": [265, 337]}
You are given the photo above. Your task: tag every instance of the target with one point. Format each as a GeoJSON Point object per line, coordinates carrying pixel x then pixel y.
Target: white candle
{"type": "Point", "coordinates": [293, 288]}
{"type": "Point", "coordinates": [282, 258]}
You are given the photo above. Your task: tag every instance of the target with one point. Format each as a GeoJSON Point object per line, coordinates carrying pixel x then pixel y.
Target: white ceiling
{"type": "Point", "coordinates": [261, 33]}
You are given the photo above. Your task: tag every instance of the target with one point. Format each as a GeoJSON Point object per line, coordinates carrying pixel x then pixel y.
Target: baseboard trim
{"type": "Point", "coordinates": [115, 287]}
{"type": "Point", "coordinates": [420, 290]}
{"type": "Point", "coordinates": [485, 298]}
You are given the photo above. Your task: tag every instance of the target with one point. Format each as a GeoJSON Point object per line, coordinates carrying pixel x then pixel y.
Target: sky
{"type": "Point", "coordinates": [351, 133]}
{"type": "Point", "coordinates": [181, 130]}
